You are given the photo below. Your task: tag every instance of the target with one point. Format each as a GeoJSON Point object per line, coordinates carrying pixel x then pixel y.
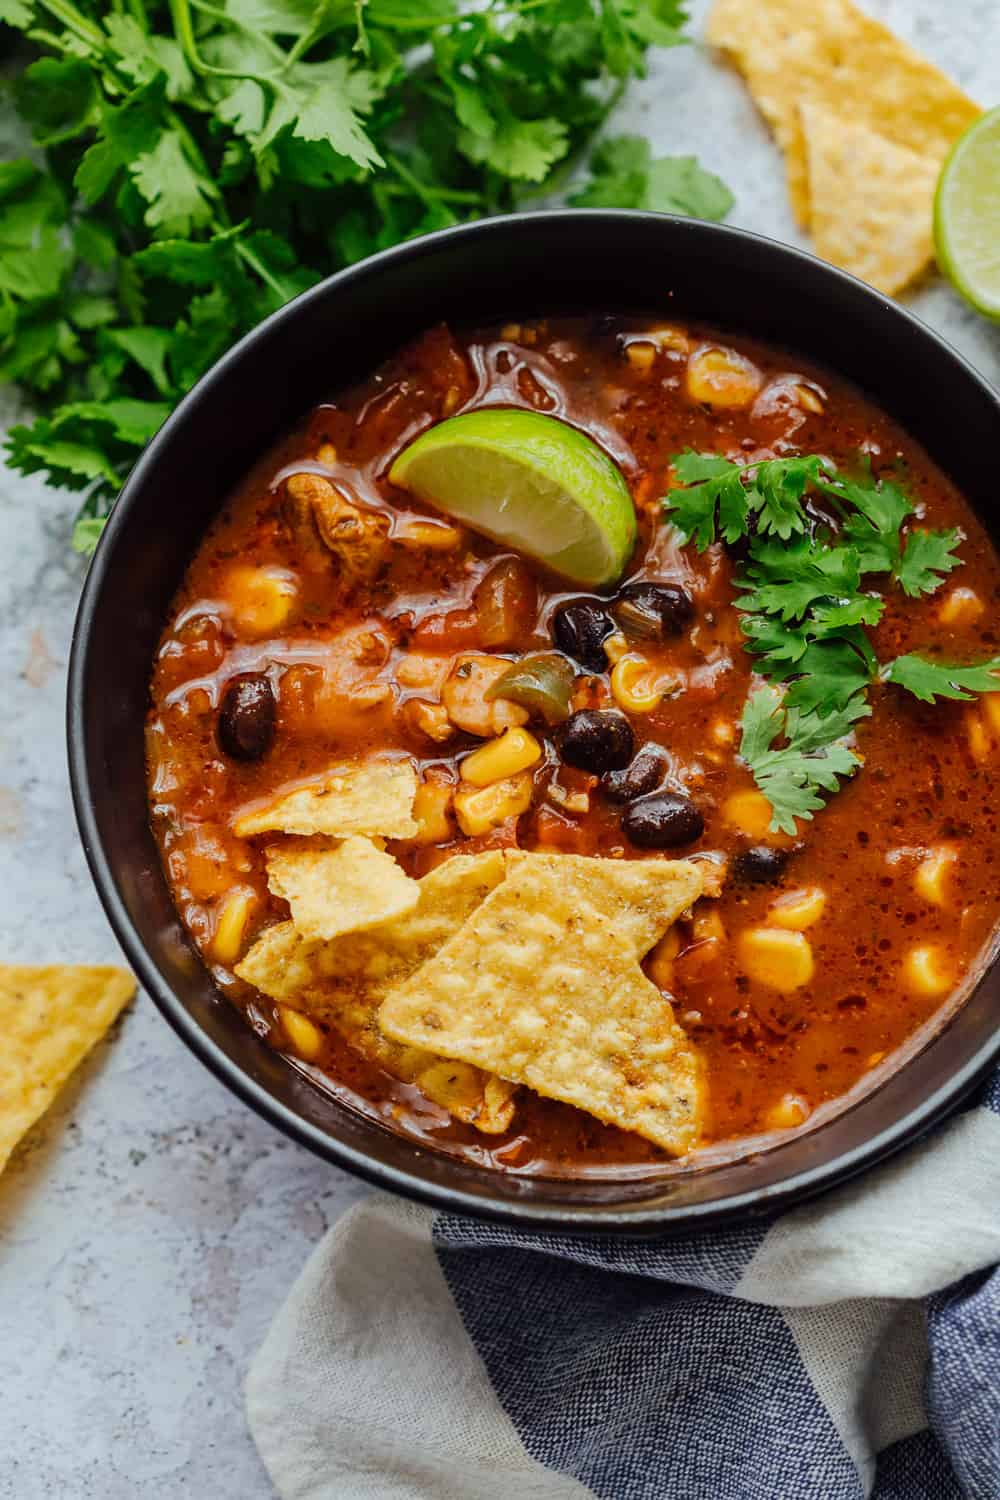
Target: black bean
{"type": "Point", "coordinates": [579, 629]}
{"type": "Point", "coordinates": [596, 739]}
{"type": "Point", "coordinates": [653, 609]}
{"type": "Point", "coordinates": [246, 717]}
{"type": "Point", "coordinates": [662, 820]}
{"type": "Point", "coordinates": [760, 865]}
{"type": "Point", "coordinates": [642, 776]}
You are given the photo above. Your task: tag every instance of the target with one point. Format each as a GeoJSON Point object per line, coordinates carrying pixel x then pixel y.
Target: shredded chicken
{"type": "Point", "coordinates": [322, 517]}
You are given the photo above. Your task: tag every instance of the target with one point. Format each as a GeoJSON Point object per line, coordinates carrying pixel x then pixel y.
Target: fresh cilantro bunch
{"type": "Point", "coordinates": [805, 607]}
{"type": "Point", "coordinates": [206, 160]}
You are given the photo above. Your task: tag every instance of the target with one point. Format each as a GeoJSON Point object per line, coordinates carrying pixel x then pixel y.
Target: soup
{"type": "Point", "coordinates": [330, 622]}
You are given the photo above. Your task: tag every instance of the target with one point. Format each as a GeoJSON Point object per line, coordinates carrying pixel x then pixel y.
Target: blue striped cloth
{"type": "Point", "coordinates": [845, 1349]}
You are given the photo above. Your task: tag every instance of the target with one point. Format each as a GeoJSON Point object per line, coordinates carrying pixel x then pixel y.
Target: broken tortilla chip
{"type": "Point", "coordinates": [50, 1018]}
{"type": "Point", "coordinates": [886, 239]}
{"type": "Point", "coordinates": [542, 986]}
{"type": "Point", "coordinates": [830, 54]}
{"type": "Point", "coordinates": [375, 799]}
{"type": "Point", "coordinates": [348, 887]}
{"type": "Point", "coordinates": [635, 898]}
{"type": "Point", "coordinates": [343, 983]}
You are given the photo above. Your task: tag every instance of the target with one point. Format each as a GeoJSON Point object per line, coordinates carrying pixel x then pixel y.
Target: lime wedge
{"type": "Point", "coordinates": [531, 482]}
{"type": "Point", "coordinates": [967, 215]}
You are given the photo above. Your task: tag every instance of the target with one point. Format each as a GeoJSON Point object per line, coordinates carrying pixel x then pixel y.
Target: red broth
{"type": "Point", "coordinates": [357, 668]}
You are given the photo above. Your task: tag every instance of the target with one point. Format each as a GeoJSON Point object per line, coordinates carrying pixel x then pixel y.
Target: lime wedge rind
{"type": "Point", "coordinates": [528, 481]}
{"type": "Point", "coordinates": [967, 215]}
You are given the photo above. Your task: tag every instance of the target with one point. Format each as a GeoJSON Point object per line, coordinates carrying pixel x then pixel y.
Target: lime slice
{"type": "Point", "coordinates": [967, 215]}
{"type": "Point", "coordinates": [531, 482]}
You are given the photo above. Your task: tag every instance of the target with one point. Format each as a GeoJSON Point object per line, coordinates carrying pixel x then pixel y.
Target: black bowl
{"type": "Point", "coordinates": [512, 267]}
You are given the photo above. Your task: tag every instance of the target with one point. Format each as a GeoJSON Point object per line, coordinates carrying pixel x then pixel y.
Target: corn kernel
{"type": "Point", "coordinates": [452, 397]}
{"type": "Point", "coordinates": [615, 646]}
{"type": "Point", "coordinates": [706, 923]}
{"type": "Point", "coordinates": [798, 909]}
{"type": "Point", "coordinates": [723, 732]}
{"type": "Point", "coordinates": [432, 811]}
{"type": "Point", "coordinates": [231, 925]}
{"type": "Point", "coordinates": [930, 878]}
{"type": "Point", "coordinates": [774, 956]}
{"type": "Point", "coordinates": [749, 812]}
{"type": "Point", "coordinates": [326, 454]}
{"type": "Point", "coordinates": [641, 355]}
{"type": "Point", "coordinates": [925, 971]}
{"type": "Point", "coordinates": [515, 750]}
{"type": "Point", "coordinates": [511, 332]}
{"type": "Point", "coordinates": [790, 1110]}
{"type": "Point", "coordinates": [478, 809]}
{"type": "Point", "coordinates": [633, 685]}
{"type": "Point", "coordinates": [661, 961]}
{"type": "Point", "coordinates": [721, 377]}
{"type": "Point", "coordinates": [961, 606]}
{"type": "Point", "coordinates": [261, 598]}
{"type": "Point", "coordinates": [980, 744]}
{"type": "Point", "coordinates": [304, 1035]}
{"type": "Point", "coordinates": [990, 704]}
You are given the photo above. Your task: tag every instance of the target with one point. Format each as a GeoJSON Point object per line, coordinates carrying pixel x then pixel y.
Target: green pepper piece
{"type": "Point", "coordinates": [542, 684]}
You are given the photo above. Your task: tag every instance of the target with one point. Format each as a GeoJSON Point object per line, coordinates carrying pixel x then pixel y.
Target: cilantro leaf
{"type": "Point", "coordinates": [926, 558]}
{"type": "Point", "coordinates": [142, 56]}
{"type": "Point", "coordinates": [691, 467]}
{"type": "Point", "coordinates": [58, 97]}
{"type": "Point", "coordinates": [16, 13]}
{"type": "Point", "coordinates": [813, 759]}
{"type": "Point", "coordinates": [714, 499]}
{"type": "Point", "coordinates": [87, 533]}
{"type": "Point", "coordinates": [681, 185]}
{"type": "Point", "coordinates": [149, 348]}
{"type": "Point", "coordinates": [929, 680]}
{"type": "Point", "coordinates": [625, 175]}
{"type": "Point", "coordinates": [776, 490]}
{"type": "Point", "coordinates": [772, 491]}
{"type": "Point", "coordinates": [179, 196]}
{"type": "Point", "coordinates": [831, 672]}
{"type": "Point", "coordinates": [785, 579]}
{"type": "Point", "coordinates": [524, 149]}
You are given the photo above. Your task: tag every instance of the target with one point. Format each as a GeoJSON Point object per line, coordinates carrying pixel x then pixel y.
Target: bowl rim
{"type": "Point", "coordinates": [664, 1218]}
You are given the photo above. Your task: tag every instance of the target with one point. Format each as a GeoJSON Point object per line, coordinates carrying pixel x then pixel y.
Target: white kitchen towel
{"type": "Point", "coordinates": [845, 1349]}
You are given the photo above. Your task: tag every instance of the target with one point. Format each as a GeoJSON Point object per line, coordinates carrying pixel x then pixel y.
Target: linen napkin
{"type": "Point", "coordinates": [844, 1349]}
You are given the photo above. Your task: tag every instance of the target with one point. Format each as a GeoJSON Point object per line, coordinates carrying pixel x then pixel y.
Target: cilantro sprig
{"type": "Point", "coordinates": [806, 605]}
{"type": "Point", "coordinates": [204, 163]}
{"type": "Point", "coordinates": [815, 753]}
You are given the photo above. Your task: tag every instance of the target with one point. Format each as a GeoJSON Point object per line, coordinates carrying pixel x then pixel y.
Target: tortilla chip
{"type": "Point", "coordinates": [542, 986]}
{"type": "Point", "coordinates": [886, 238]}
{"type": "Point", "coordinates": [50, 1017]}
{"type": "Point", "coordinates": [375, 799]}
{"type": "Point", "coordinates": [346, 887]}
{"type": "Point", "coordinates": [635, 898]}
{"type": "Point", "coordinates": [828, 53]}
{"type": "Point", "coordinates": [344, 982]}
